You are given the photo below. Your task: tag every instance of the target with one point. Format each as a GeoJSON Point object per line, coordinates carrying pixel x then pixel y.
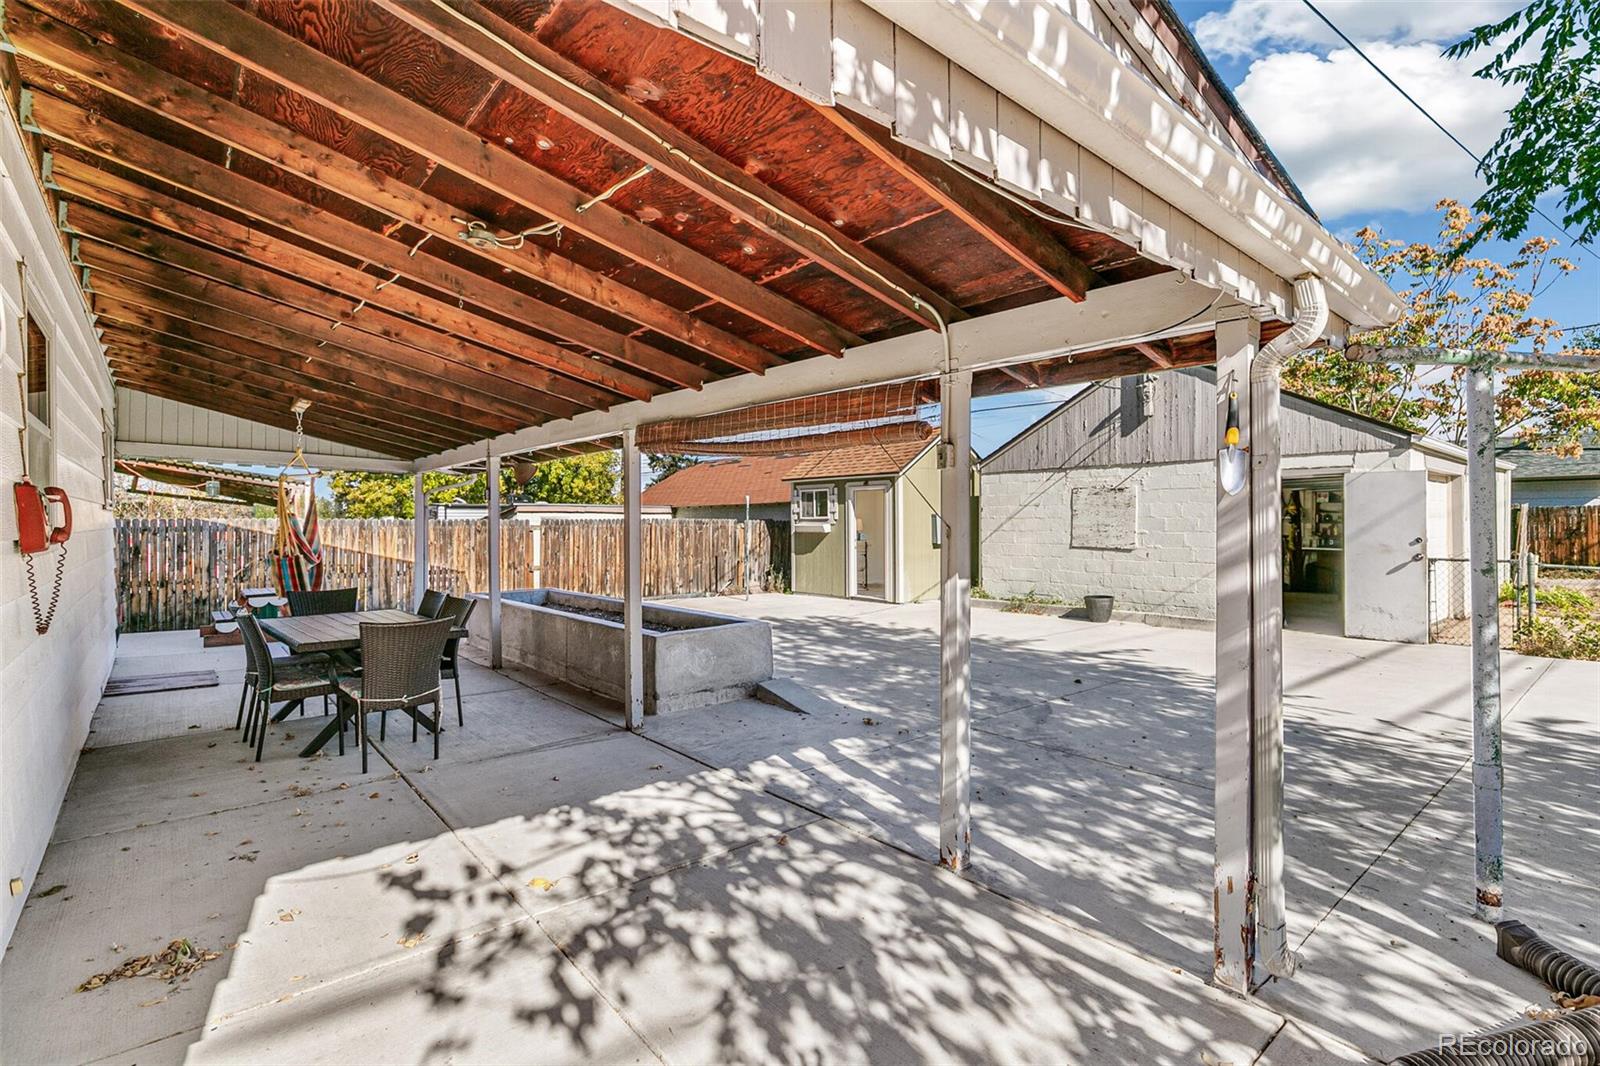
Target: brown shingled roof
{"type": "Point", "coordinates": [860, 460]}
{"type": "Point", "coordinates": [722, 482]}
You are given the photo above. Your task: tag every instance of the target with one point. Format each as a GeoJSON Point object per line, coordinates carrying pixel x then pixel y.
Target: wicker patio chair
{"type": "Point", "coordinates": [399, 671]}
{"type": "Point", "coordinates": [252, 675]}
{"type": "Point", "coordinates": [325, 601]}
{"type": "Point", "coordinates": [432, 600]}
{"type": "Point", "coordinates": [278, 681]}
{"type": "Point", "coordinates": [459, 610]}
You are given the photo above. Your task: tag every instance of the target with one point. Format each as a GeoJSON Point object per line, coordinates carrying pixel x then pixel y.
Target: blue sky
{"type": "Point", "coordinates": [1354, 146]}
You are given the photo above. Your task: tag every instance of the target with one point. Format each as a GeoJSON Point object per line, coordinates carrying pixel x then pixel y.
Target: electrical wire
{"type": "Point", "coordinates": [1436, 123]}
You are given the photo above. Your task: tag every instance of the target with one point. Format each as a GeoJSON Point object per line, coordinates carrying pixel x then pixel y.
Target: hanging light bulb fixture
{"type": "Point", "coordinates": [1232, 468]}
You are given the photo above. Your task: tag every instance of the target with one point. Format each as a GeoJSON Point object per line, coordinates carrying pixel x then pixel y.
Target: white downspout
{"type": "Point", "coordinates": [1310, 319]}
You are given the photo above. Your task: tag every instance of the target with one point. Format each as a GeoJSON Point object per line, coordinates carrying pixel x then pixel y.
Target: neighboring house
{"type": "Point", "coordinates": [1115, 492]}
{"type": "Point", "coordinates": [864, 521]}
{"type": "Point", "coordinates": [720, 488]}
{"type": "Point", "coordinates": [1544, 479]}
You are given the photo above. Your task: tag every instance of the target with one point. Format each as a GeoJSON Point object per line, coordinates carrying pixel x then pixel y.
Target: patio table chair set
{"type": "Point", "coordinates": [367, 661]}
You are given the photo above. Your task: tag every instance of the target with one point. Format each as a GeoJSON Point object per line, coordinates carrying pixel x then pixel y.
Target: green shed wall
{"type": "Point", "coordinates": [819, 558]}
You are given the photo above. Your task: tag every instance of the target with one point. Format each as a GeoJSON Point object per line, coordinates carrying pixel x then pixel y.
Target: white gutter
{"type": "Point", "coordinates": [1310, 319]}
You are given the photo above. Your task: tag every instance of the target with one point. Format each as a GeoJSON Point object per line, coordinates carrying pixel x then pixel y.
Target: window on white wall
{"type": "Point", "coordinates": [814, 505]}
{"type": "Point", "coordinates": [36, 382]}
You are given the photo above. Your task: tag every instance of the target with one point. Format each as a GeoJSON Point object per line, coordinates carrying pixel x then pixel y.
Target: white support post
{"type": "Point", "coordinates": [632, 584]}
{"type": "Point", "coordinates": [1266, 695]}
{"type": "Point", "coordinates": [1235, 943]}
{"type": "Point", "coordinates": [955, 617]}
{"type": "Point", "coordinates": [493, 475]}
{"type": "Point", "coordinates": [419, 539]}
{"type": "Point", "coordinates": [1488, 769]}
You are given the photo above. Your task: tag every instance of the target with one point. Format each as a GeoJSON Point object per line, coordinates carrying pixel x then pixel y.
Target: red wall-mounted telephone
{"type": "Point", "coordinates": [37, 532]}
{"type": "Point", "coordinates": [34, 532]}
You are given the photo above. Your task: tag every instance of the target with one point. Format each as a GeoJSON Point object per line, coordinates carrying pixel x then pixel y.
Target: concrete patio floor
{"type": "Point", "coordinates": [746, 883]}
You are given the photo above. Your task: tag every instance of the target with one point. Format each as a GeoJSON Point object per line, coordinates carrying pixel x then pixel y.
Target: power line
{"type": "Point", "coordinates": [1436, 123]}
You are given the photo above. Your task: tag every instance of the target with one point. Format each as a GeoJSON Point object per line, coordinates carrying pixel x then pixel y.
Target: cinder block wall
{"type": "Point", "coordinates": [1026, 530]}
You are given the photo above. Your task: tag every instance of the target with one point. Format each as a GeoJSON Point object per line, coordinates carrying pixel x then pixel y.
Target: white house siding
{"type": "Point", "coordinates": [1169, 570]}
{"type": "Point", "coordinates": [1556, 492]}
{"type": "Point", "coordinates": [49, 684]}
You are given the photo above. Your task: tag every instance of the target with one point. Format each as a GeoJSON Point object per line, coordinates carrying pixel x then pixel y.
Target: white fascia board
{"type": "Point", "coordinates": [1046, 61]}
{"type": "Point", "coordinates": [1163, 305]}
{"type": "Point", "coordinates": [1444, 449]}
{"type": "Point", "coordinates": [259, 457]}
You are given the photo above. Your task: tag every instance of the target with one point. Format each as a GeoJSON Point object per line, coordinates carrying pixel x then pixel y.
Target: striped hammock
{"type": "Point", "coordinates": [297, 556]}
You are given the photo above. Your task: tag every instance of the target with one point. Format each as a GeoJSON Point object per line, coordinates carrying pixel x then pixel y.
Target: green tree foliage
{"type": "Point", "coordinates": [666, 465]}
{"type": "Point", "coordinates": [580, 479]}
{"type": "Point", "coordinates": [1551, 51]}
{"type": "Point", "coordinates": [1454, 301]}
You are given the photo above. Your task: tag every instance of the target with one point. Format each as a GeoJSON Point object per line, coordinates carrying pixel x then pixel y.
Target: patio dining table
{"type": "Point", "coordinates": [334, 634]}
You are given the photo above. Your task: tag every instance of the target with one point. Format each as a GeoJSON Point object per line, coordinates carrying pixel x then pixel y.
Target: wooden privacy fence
{"type": "Point", "coordinates": [1565, 535]}
{"type": "Point", "coordinates": [172, 573]}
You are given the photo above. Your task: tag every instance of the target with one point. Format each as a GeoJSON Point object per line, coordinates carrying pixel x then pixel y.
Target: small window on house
{"type": "Point", "coordinates": [813, 505]}
{"type": "Point", "coordinates": [36, 385]}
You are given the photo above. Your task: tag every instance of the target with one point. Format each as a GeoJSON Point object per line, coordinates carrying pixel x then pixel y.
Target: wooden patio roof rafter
{"type": "Point", "coordinates": [255, 185]}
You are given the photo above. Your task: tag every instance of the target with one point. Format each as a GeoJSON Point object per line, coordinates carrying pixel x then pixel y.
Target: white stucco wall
{"type": "Point", "coordinates": [49, 684]}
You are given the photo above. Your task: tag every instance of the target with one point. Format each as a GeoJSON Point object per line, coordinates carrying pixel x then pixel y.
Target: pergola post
{"type": "Point", "coordinates": [1488, 766]}
{"type": "Point", "coordinates": [1235, 940]}
{"type": "Point", "coordinates": [493, 474]}
{"type": "Point", "coordinates": [1266, 678]}
{"type": "Point", "coordinates": [419, 539]}
{"type": "Point", "coordinates": [955, 617]}
{"type": "Point", "coordinates": [632, 584]}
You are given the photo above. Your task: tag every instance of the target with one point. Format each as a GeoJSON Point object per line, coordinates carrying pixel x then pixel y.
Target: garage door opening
{"type": "Point", "coordinates": [1313, 555]}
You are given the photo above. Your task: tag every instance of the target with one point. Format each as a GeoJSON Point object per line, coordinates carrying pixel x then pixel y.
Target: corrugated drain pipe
{"type": "Point", "coordinates": [1310, 318]}
{"type": "Point", "coordinates": [1570, 1040]}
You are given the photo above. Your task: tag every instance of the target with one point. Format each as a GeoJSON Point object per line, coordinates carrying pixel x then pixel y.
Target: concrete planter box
{"type": "Point", "coordinates": [703, 658]}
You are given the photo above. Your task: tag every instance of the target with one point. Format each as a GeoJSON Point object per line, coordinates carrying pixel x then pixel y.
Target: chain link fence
{"type": "Point", "coordinates": [1544, 610]}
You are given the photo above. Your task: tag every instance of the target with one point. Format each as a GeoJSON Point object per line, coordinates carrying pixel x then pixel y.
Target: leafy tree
{"type": "Point", "coordinates": [1551, 50]}
{"type": "Point", "coordinates": [580, 479]}
{"type": "Point", "coordinates": [666, 465]}
{"type": "Point", "coordinates": [1453, 301]}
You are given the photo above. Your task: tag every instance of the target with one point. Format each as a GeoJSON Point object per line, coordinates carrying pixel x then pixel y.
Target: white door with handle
{"type": "Point", "coordinates": [1386, 555]}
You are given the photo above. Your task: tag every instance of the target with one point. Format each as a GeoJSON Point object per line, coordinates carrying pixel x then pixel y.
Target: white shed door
{"type": "Point", "coordinates": [1385, 555]}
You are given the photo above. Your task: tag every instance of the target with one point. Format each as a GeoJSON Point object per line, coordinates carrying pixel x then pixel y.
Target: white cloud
{"type": "Point", "coordinates": [1249, 26]}
{"type": "Point", "coordinates": [1353, 144]}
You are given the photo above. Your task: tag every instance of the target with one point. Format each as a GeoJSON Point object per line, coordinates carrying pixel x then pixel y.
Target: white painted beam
{"type": "Point", "coordinates": [419, 540]}
{"type": "Point", "coordinates": [258, 457]}
{"type": "Point", "coordinates": [955, 619]}
{"type": "Point", "coordinates": [1234, 943]}
{"type": "Point", "coordinates": [632, 584]}
{"type": "Point", "coordinates": [493, 504]}
{"type": "Point", "coordinates": [1151, 308]}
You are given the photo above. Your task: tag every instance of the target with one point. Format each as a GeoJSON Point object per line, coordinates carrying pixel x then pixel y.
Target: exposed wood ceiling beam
{"type": "Point", "coordinates": [280, 58]}
{"type": "Point", "coordinates": [72, 125]}
{"type": "Point", "coordinates": [446, 403]}
{"type": "Point", "coordinates": [99, 187]}
{"type": "Point", "coordinates": [63, 48]}
{"type": "Point", "coordinates": [1158, 353]}
{"type": "Point", "coordinates": [1022, 238]}
{"type": "Point", "coordinates": [521, 60]}
{"type": "Point", "coordinates": [129, 148]}
{"type": "Point", "coordinates": [399, 413]}
{"type": "Point", "coordinates": [245, 403]}
{"type": "Point", "coordinates": [134, 279]}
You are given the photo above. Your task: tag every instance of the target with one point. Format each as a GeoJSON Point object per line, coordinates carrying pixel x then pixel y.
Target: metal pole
{"type": "Point", "coordinates": [632, 585]}
{"type": "Point", "coordinates": [1488, 770]}
{"type": "Point", "coordinates": [494, 561]}
{"type": "Point", "coordinates": [955, 618]}
{"type": "Point", "coordinates": [419, 540]}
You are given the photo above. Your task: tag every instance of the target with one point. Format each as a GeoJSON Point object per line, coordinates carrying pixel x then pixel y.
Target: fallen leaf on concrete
{"type": "Point", "coordinates": [542, 884]}
{"type": "Point", "coordinates": [52, 890]}
{"type": "Point", "coordinates": [301, 790]}
{"type": "Point", "coordinates": [194, 727]}
{"type": "Point", "coordinates": [285, 916]}
{"type": "Point", "coordinates": [412, 857]}
{"type": "Point", "coordinates": [344, 784]}
{"type": "Point", "coordinates": [373, 795]}
{"type": "Point", "coordinates": [413, 940]}
{"type": "Point", "coordinates": [783, 841]}
{"type": "Point", "coordinates": [196, 795]}
{"type": "Point", "coordinates": [177, 960]}
{"type": "Point", "coordinates": [657, 766]}
{"type": "Point", "coordinates": [869, 721]}
{"type": "Point", "coordinates": [1574, 1002]}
